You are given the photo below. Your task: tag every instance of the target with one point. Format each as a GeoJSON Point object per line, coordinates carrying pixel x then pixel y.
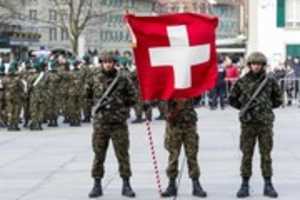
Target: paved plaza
{"type": "Point", "coordinates": [55, 164]}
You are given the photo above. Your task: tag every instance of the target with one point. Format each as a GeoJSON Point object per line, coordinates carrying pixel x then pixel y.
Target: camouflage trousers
{"type": "Point", "coordinates": [74, 105]}
{"type": "Point", "coordinates": [2, 110]}
{"type": "Point", "coordinates": [141, 107]}
{"type": "Point", "coordinates": [13, 110]}
{"type": "Point", "coordinates": [36, 108]}
{"type": "Point", "coordinates": [120, 139]}
{"type": "Point", "coordinates": [187, 137]}
{"type": "Point", "coordinates": [264, 135]}
{"type": "Point", "coordinates": [53, 107]}
{"type": "Point", "coordinates": [87, 106]}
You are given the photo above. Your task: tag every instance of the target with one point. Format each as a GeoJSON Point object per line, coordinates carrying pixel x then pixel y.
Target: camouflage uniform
{"type": "Point", "coordinates": [75, 98]}
{"type": "Point", "coordinates": [64, 72]}
{"type": "Point", "coordinates": [257, 123]}
{"type": "Point", "coordinates": [87, 104]}
{"type": "Point", "coordinates": [182, 130]}
{"type": "Point", "coordinates": [37, 99]}
{"type": "Point", "coordinates": [110, 122]}
{"type": "Point", "coordinates": [53, 83]}
{"type": "Point", "coordinates": [2, 100]}
{"type": "Point", "coordinates": [13, 98]}
{"type": "Point", "coordinates": [140, 106]}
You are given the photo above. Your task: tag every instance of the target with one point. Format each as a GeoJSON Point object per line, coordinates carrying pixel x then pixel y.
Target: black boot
{"type": "Point", "coordinates": [197, 189]}
{"type": "Point", "coordinates": [160, 117]}
{"type": "Point", "coordinates": [269, 190]}
{"type": "Point", "coordinates": [127, 190]}
{"type": "Point", "coordinates": [171, 189]}
{"type": "Point", "coordinates": [87, 119]}
{"type": "Point", "coordinates": [51, 123]}
{"type": "Point", "coordinates": [97, 189]}
{"type": "Point", "coordinates": [244, 190]}
{"type": "Point", "coordinates": [40, 127]}
{"type": "Point", "coordinates": [55, 124]}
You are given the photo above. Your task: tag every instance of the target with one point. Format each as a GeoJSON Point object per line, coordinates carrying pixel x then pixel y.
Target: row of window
{"type": "Point", "coordinates": [55, 32]}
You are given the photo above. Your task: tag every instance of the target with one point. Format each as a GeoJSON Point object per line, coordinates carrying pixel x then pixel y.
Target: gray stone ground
{"type": "Point", "coordinates": [55, 164]}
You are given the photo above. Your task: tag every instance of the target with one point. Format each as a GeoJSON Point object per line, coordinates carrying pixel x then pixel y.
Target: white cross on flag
{"type": "Point", "coordinates": [175, 54]}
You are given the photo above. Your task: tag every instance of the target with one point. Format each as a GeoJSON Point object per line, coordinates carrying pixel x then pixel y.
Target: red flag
{"type": "Point", "coordinates": [175, 54]}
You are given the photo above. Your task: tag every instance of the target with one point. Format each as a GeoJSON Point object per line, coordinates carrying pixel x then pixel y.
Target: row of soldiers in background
{"type": "Point", "coordinates": [40, 90]}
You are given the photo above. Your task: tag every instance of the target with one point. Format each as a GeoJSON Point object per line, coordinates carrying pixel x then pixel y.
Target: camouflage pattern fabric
{"type": "Point", "coordinates": [37, 99]}
{"type": "Point", "coordinates": [110, 122]}
{"type": "Point", "coordinates": [13, 97]}
{"type": "Point", "coordinates": [87, 101]}
{"type": "Point", "coordinates": [182, 131]}
{"type": "Point", "coordinates": [75, 97]}
{"type": "Point", "coordinates": [257, 123]}
{"type": "Point", "coordinates": [250, 135]}
{"type": "Point", "coordinates": [53, 83]}
{"type": "Point", "coordinates": [2, 102]}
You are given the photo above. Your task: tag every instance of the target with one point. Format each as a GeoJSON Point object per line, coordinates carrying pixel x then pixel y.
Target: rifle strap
{"type": "Point", "coordinates": [257, 91]}
{"type": "Point", "coordinates": [108, 90]}
{"type": "Point", "coordinates": [39, 78]}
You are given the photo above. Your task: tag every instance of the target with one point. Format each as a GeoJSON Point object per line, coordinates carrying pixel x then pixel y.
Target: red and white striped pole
{"type": "Point", "coordinates": [153, 156]}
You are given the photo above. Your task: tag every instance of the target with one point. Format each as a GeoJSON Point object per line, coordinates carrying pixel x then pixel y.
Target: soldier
{"type": "Point", "coordinates": [140, 106]}
{"type": "Point", "coordinates": [13, 97]}
{"type": "Point", "coordinates": [111, 123]}
{"type": "Point", "coordinates": [86, 75]}
{"type": "Point", "coordinates": [2, 95]}
{"type": "Point", "coordinates": [64, 72]}
{"type": "Point", "coordinates": [37, 90]}
{"type": "Point", "coordinates": [257, 122]}
{"type": "Point", "coordinates": [181, 130]}
{"type": "Point", "coordinates": [75, 96]}
{"type": "Point", "coordinates": [53, 82]}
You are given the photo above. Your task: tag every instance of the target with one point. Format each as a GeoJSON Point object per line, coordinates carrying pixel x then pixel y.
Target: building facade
{"type": "Point", "coordinates": [109, 31]}
{"type": "Point", "coordinates": [274, 28]}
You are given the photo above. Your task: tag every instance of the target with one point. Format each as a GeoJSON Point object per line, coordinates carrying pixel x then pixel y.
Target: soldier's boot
{"type": "Point", "coordinates": [87, 119]}
{"type": "Point", "coordinates": [55, 124]}
{"type": "Point", "coordinates": [10, 127]}
{"type": "Point", "coordinates": [97, 189]}
{"type": "Point", "coordinates": [171, 189]}
{"type": "Point", "coordinates": [269, 190]}
{"type": "Point", "coordinates": [138, 120]}
{"type": "Point", "coordinates": [51, 123]}
{"type": "Point", "coordinates": [34, 126]}
{"type": "Point", "coordinates": [197, 189]}
{"type": "Point", "coordinates": [76, 123]}
{"type": "Point", "coordinates": [16, 127]}
{"type": "Point", "coordinates": [126, 189]}
{"type": "Point", "coordinates": [244, 190]}
{"type": "Point", "coordinates": [40, 127]}
{"type": "Point", "coordinates": [66, 120]}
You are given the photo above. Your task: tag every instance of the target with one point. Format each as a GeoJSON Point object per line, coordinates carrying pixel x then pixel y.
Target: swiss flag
{"type": "Point", "coordinates": [175, 54]}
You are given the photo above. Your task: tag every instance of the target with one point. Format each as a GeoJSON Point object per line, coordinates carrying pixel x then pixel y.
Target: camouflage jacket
{"type": "Point", "coordinates": [75, 84]}
{"type": "Point", "coordinates": [120, 99]}
{"type": "Point", "coordinates": [13, 88]}
{"type": "Point", "coordinates": [37, 92]}
{"type": "Point", "coordinates": [181, 114]}
{"type": "Point", "coordinates": [260, 110]}
{"type": "Point", "coordinates": [53, 83]}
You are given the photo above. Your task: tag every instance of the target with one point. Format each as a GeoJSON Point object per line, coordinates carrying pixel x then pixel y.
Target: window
{"type": "Point", "coordinates": [292, 14]}
{"type": "Point", "coordinates": [52, 34]}
{"type": "Point", "coordinates": [52, 15]}
{"type": "Point", "coordinates": [32, 14]}
{"type": "Point", "coordinates": [64, 34]}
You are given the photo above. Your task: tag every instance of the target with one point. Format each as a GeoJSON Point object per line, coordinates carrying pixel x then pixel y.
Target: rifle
{"type": "Point", "coordinates": [105, 99]}
{"type": "Point", "coordinates": [255, 94]}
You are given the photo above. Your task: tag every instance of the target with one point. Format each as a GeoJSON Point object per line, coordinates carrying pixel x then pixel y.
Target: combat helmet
{"type": "Point", "coordinates": [258, 58]}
